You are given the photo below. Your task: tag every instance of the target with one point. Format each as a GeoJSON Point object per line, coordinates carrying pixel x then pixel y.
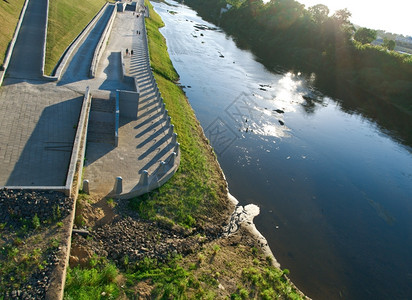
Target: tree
{"type": "Point", "coordinates": [365, 35]}
{"type": "Point", "coordinates": [389, 44]}
{"type": "Point", "coordinates": [319, 13]}
{"type": "Point", "coordinates": [342, 16]}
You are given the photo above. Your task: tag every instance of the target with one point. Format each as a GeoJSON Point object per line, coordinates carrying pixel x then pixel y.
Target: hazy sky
{"type": "Point", "coordinates": [392, 15]}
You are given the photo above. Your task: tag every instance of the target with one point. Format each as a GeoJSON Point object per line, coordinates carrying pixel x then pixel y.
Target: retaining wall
{"type": "Point", "coordinates": [128, 104]}
{"type": "Point", "coordinates": [101, 46]}
{"type": "Point", "coordinates": [79, 145]}
{"type": "Point", "coordinates": [121, 6]}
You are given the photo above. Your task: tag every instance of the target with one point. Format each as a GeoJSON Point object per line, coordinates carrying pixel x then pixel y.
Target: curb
{"type": "Point", "coordinates": [45, 38]}
{"type": "Point", "coordinates": [79, 145]}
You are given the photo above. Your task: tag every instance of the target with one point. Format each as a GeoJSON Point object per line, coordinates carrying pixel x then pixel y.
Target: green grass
{"type": "Point", "coordinates": [98, 282]}
{"type": "Point", "coordinates": [9, 16]}
{"type": "Point", "coordinates": [181, 278]}
{"type": "Point", "coordinates": [266, 283]}
{"type": "Point", "coordinates": [170, 279]}
{"type": "Point", "coordinates": [67, 18]}
{"type": "Point", "coordinates": [198, 190]}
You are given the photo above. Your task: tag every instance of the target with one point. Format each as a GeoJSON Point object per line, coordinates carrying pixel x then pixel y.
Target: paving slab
{"type": "Point", "coordinates": [37, 128]}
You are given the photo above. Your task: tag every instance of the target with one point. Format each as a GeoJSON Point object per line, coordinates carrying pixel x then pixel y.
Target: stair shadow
{"type": "Point", "coordinates": [151, 98]}
{"type": "Point", "coordinates": [157, 157]}
{"type": "Point", "coordinates": [152, 138]}
{"type": "Point", "coordinates": [147, 105]}
{"type": "Point", "coordinates": [149, 112]}
{"type": "Point", "coordinates": [154, 146]}
{"type": "Point", "coordinates": [150, 128]}
{"type": "Point", "coordinates": [147, 121]}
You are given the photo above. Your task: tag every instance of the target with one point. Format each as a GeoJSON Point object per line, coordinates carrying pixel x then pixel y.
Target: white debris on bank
{"type": "Point", "coordinates": [243, 217]}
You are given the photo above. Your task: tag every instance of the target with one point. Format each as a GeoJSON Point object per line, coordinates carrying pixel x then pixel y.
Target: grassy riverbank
{"type": "Point", "coordinates": [184, 218]}
{"type": "Point", "coordinates": [67, 18]}
{"type": "Point", "coordinates": [197, 193]}
{"type": "Point", "coordinates": [9, 16]}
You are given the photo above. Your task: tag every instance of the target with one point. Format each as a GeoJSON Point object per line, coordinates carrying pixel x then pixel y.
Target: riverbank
{"type": "Point", "coordinates": [173, 242]}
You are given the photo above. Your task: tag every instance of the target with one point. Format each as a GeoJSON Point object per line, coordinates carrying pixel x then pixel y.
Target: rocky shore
{"type": "Point", "coordinates": [127, 236]}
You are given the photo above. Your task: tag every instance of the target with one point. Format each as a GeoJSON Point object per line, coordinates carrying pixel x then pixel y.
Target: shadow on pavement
{"type": "Point", "coordinates": [46, 156]}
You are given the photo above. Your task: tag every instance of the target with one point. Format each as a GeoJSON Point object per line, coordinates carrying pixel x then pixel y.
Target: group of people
{"type": "Point", "coordinates": [137, 32]}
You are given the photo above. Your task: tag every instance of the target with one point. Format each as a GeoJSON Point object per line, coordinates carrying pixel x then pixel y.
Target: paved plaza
{"type": "Point", "coordinates": [37, 127]}
{"type": "Point", "coordinates": [38, 119]}
{"type": "Point", "coordinates": [144, 141]}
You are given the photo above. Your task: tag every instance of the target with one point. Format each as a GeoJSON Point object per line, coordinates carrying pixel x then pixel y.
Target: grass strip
{"type": "Point", "coordinates": [67, 18]}
{"type": "Point", "coordinates": [9, 16]}
{"type": "Point", "coordinates": [197, 192]}
{"type": "Point", "coordinates": [98, 282]}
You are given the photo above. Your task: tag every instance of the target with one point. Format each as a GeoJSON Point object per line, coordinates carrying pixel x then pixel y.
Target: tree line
{"type": "Point", "coordinates": [312, 40]}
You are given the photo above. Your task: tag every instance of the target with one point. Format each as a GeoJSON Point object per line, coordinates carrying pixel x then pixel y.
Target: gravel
{"type": "Point", "coordinates": [130, 239]}
{"type": "Point", "coordinates": [17, 209]}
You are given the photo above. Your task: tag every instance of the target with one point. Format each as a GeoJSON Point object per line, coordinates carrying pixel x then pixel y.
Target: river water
{"type": "Point", "coordinates": [335, 192]}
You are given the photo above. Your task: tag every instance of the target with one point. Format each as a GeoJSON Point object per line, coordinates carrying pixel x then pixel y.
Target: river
{"type": "Point", "coordinates": [335, 191]}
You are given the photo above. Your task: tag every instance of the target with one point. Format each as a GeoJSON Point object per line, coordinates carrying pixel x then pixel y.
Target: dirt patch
{"type": "Point", "coordinates": [94, 211]}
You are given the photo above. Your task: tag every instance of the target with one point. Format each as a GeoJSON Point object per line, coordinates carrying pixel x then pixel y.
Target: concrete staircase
{"type": "Point", "coordinates": [101, 123]}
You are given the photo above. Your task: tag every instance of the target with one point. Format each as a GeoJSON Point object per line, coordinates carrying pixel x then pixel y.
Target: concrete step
{"type": "Point", "coordinates": [100, 132]}
{"type": "Point", "coordinates": [103, 105]}
{"type": "Point", "coordinates": [101, 122]}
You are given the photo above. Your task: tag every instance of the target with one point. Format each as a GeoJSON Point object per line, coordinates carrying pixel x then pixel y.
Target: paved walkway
{"type": "Point", "coordinates": [38, 119]}
{"type": "Point", "coordinates": [108, 74]}
{"type": "Point", "coordinates": [79, 66]}
{"type": "Point", "coordinates": [26, 60]}
{"type": "Point", "coordinates": [37, 129]}
{"type": "Point", "coordinates": [143, 142]}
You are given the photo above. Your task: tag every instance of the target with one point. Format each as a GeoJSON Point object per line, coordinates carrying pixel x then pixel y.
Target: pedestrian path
{"type": "Point", "coordinates": [27, 58]}
{"type": "Point", "coordinates": [79, 66]}
{"type": "Point", "coordinates": [37, 129]}
{"type": "Point", "coordinates": [38, 119]}
{"type": "Point", "coordinates": [146, 143]}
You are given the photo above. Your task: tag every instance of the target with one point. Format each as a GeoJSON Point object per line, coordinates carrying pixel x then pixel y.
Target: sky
{"type": "Point", "coordinates": [392, 15]}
